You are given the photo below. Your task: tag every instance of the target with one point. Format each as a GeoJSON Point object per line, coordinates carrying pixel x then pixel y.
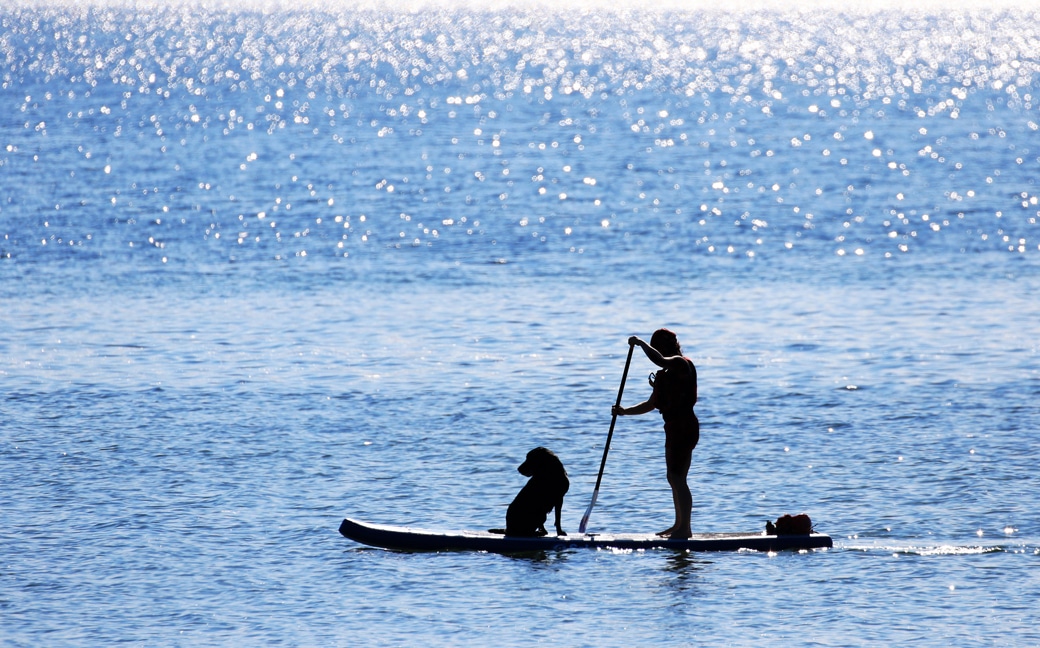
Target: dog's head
{"type": "Point", "coordinates": [541, 461]}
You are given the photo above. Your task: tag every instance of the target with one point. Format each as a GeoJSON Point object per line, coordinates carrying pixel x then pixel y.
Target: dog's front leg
{"type": "Point", "coordinates": [559, 512]}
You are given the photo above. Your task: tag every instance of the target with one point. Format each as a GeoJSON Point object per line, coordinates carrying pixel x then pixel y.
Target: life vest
{"type": "Point", "coordinates": [676, 391]}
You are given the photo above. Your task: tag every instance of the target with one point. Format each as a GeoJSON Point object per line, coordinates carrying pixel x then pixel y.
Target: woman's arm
{"type": "Point", "coordinates": [672, 362]}
{"type": "Point", "coordinates": [648, 405]}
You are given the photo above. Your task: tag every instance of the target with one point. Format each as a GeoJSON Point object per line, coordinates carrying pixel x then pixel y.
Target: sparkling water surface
{"type": "Point", "coordinates": [264, 269]}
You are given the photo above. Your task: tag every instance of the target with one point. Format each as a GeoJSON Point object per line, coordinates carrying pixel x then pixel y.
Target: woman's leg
{"type": "Point", "coordinates": [678, 461]}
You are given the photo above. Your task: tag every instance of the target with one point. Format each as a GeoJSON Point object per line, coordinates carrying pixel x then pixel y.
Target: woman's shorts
{"type": "Point", "coordinates": [682, 432]}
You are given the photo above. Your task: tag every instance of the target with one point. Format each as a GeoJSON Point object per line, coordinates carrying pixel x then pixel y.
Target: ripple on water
{"type": "Point", "coordinates": [263, 270]}
{"type": "Point", "coordinates": [751, 135]}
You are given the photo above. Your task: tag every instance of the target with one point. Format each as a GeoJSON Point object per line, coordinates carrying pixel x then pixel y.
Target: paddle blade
{"type": "Point", "coordinates": [585, 518]}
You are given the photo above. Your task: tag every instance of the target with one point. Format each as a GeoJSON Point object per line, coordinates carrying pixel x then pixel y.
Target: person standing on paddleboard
{"type": "Point", "coordinates": [674, 395]}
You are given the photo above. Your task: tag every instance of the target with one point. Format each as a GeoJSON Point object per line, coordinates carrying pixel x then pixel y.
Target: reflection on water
{"type": "Point", "coordinates": [263, 269]}
{"type": "Point", "coordinates": [683, 564]}
{"type": "Point", "coordinates": [182, 135]}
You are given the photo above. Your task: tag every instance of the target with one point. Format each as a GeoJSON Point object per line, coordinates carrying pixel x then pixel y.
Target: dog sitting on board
{"type": "Point", "coordinates": [543, 492]}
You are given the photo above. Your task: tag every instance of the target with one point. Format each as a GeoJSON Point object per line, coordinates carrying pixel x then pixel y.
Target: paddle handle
{"type": "Point", "coordinates": [606, 448]}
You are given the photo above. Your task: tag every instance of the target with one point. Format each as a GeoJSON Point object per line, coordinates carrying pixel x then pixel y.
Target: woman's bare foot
{"type": "Point", "coordinates": [667, 532]}
{"type": "Point", "coordinates": [680, 534]}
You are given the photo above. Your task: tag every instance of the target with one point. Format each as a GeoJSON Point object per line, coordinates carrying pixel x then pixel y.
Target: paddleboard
{"type": "Point", "coordinates": [413, 539]}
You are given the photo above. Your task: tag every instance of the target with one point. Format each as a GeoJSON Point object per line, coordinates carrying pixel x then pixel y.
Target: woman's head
{"type": "Point", "coordinates": [666, 343]}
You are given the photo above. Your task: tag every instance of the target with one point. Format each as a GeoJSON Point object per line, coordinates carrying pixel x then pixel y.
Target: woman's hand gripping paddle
{"type": "Point", "coordinates": [603, 463]}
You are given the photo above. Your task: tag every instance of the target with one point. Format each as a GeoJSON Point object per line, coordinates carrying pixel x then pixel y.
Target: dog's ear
{"type": "Point", "coordinates": [542, 458]}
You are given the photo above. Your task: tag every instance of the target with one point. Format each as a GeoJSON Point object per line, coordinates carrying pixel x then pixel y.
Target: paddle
{"type": "Point", "coordinates": [603, 463]}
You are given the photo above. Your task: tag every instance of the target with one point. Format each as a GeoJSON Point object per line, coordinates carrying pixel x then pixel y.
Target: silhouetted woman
{"type": "Point", "coordinates": [674, 395]}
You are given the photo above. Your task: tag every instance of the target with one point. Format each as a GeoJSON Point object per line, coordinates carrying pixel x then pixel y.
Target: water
{"type": "Point", "coordinates": [261, 271]}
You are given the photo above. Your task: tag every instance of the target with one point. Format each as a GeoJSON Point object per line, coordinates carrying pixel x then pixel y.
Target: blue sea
{"type": "Point", "coordinates": [266, 267]}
